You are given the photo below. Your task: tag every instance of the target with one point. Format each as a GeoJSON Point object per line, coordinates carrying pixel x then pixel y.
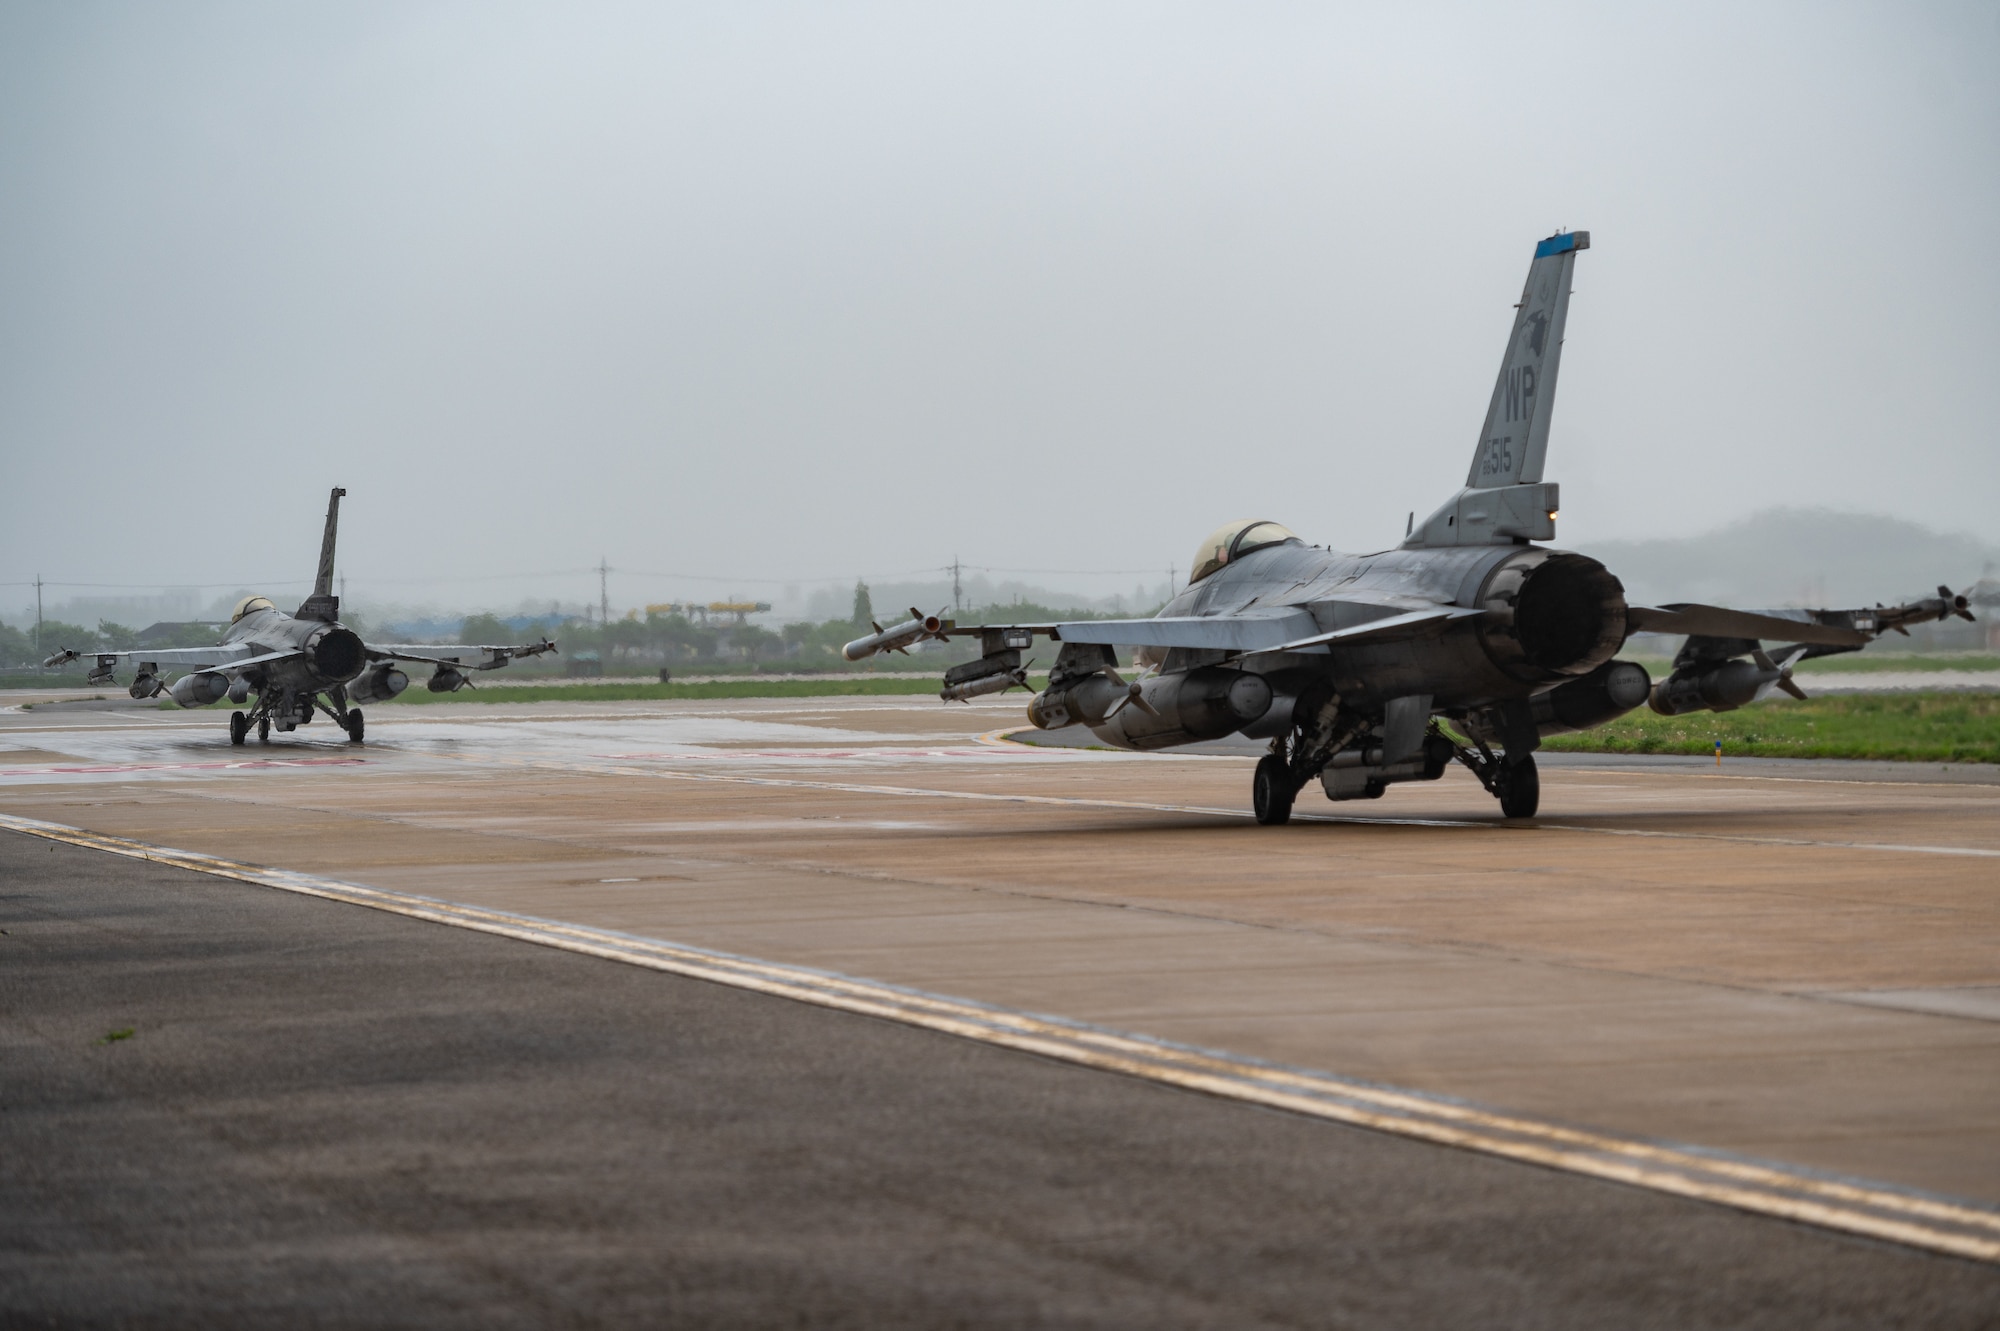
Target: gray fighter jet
{"type": "Point", "coordinates": [1468, 642]}
{"type": "Point", "coordinates": [297, 663]}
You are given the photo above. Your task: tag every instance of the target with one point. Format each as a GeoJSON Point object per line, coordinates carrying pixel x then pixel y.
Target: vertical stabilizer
{"type": "Point", "coordinates": [1516, 437]}
{"type": "Point", "coordinates": [323, 604]}
{"type": "Point", "coordinates": [1505, 499]}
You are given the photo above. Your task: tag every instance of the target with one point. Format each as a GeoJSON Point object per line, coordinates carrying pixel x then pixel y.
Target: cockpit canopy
{"type": "Point", "coordinates": [1233, 540]}
{"type": "Point", "coordinates": [250, 605]}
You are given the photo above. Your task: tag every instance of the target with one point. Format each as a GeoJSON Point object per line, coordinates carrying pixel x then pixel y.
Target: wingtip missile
{"type": "Point", "coordinates": [917, 628]}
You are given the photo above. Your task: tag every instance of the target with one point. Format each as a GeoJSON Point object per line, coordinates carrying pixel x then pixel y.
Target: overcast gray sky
{"type": "Point", "coordinates": [787, 292]}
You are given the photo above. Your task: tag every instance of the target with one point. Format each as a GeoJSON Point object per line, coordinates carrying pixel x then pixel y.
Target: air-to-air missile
{"type": "Point", "coordinates": [917, 628]}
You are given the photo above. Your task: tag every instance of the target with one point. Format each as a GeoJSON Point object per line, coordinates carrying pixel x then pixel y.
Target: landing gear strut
{"type": "Point", "coordinates": [1322, 725]}
{"type": "Point", "coordinates": [1513, 781]}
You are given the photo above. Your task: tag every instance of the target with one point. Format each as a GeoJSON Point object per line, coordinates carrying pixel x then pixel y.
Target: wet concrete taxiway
{"type": "Point", "coordinates": [329, 1116]}
{"type": "Point", "coordinates": [1799, 972]}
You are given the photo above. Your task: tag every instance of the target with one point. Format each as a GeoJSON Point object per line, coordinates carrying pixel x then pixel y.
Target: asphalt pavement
{"type": "Point", "coordinates": [229, 1106]}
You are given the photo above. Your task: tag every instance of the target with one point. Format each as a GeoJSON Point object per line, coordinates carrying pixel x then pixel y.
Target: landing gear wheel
{"type": "Point", "coordinates": [1520, 789]}
{"type": "Point", "coordinates": [239, 726]}
{"type": "Point", "coordinates": [354, 725]}
{"type": "Point", "coordinates": [264, 729]}
{"type": "Point", "coordinates": [1271, 791]}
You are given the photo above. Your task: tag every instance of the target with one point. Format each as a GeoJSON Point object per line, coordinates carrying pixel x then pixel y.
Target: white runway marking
{"type": "Point", "coordinates": [1856, 1206]}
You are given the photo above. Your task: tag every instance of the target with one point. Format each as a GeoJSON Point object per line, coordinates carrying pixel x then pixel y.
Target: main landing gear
{"type": "Point", "coordinates": [1511, 780]}
{"type": "Point", "coordinates": [1272, 791]}
{"type": "Point", "coordinates": [239, 727]}
{"type": "Point", "coordinates": [1520, 789]}
{"type": "Point", "coordinates": [1325, 730]}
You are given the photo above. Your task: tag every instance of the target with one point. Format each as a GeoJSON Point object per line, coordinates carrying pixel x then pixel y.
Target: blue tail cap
{"type": "Point", "coordinates": [1563, 244]}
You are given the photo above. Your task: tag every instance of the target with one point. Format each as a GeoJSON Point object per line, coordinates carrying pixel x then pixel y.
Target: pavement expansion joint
{"type": "Point", "coordinates": [1856, 1206]}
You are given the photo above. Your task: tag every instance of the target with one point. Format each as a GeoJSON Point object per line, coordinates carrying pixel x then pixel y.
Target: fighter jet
{"type": "Point", "coordinates": [297, 663]}
{"type": "Point", "coordinates": [1469, 642]}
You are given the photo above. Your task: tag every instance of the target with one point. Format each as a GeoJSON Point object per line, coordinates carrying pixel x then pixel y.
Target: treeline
{"type": "Point", "coordinates": [672, 639]}
{"type": "Point", "coordinates": [18, 648]}
{"type": "Point", "coordinates": [649, 642]}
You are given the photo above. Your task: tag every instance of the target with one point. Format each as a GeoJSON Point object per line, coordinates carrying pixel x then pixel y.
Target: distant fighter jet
{"type": "Point", "coordinates": [1467, 642]}
{"type": "Point", "coordinates": [297, 663]}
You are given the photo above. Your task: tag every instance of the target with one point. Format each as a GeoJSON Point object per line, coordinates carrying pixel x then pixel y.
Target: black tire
{"type": "Point", "coordinates": [1520, 789]}
{"type": "Point", "coordinates": [239, 727]}
{"type": "Point", "coordinates": [354, 726]}
{"type": "Point", "coordinates": [1272, 792]}
{"type": "Point", "coordinates": [264, 730]}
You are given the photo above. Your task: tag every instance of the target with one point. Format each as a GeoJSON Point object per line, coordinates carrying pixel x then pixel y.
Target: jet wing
{"type": "Point", "coordinates": [1713, 621]}
{"type": "Point", "coordinates": [460, 655]}
{"type": "Point", "coordinates": [1283, 629]}
{"type": "Point", "coordinates": [1227, 633]}
{"type": "Point", "coordinates": [1394, 626]}
{"type": "Point", "coordinates": [229, 654]}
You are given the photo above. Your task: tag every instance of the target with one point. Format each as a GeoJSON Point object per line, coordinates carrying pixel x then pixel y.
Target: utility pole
{"type": "Point", "coordinates": [957, 599]}
{"type": "Point", "coordinates": [603, 590]}
{"type": "Point", "coordinates": [38, 616]}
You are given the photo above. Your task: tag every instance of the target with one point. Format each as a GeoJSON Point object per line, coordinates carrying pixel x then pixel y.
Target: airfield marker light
{"type": "Point", "coordinates": [1718, 753]}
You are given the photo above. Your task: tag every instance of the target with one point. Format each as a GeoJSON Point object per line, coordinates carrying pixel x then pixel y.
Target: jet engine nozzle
{"type": "Point", "coordinates": [199, 689]}
{"type": "Point", "coordinates": [1551, 614]}
{"type": "Point", "coordinates": [336, 654]}
{"type": "Point", "coordinates": [379, 683]}
{"type": "Point", "coordinates": [917, 628]}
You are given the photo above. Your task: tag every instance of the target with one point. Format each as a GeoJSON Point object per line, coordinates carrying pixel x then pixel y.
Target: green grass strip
{"type": "Point", "coordinates": [1904, 727]}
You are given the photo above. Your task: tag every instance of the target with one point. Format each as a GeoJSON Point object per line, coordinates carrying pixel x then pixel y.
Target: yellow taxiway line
{"type": "Point", "coordinates": [1878, 1211]}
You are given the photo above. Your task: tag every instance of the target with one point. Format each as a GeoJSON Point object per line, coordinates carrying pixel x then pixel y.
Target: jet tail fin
{"type": "Point", "coordinates": [1515, 440]}
{"type": "Point", "coordinates": [323, 604]}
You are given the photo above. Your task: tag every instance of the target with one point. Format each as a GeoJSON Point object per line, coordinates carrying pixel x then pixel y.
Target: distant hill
{"type": "Point", "coordinates": [1798, 556]}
